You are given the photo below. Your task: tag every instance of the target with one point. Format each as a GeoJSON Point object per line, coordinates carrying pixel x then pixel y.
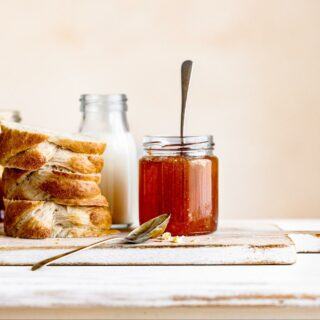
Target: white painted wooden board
{"type": "Point", "coordinates": [235, 243]}
{"type": "Point", "coordinates": [305, 233]}
{"type": "Point", "coordinates": [141, 292]}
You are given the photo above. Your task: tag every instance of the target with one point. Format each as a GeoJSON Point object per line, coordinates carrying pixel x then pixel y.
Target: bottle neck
{"type": "Point", "coordinates": [10, 115]}
{"type": "Point", "coordinates": [103, 113]}
{"type": "Point", "coordinates": [104, 121]}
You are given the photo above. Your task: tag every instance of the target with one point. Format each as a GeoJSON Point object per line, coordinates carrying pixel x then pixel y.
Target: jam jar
{"type": "Point", "coordinates": [179, 177]}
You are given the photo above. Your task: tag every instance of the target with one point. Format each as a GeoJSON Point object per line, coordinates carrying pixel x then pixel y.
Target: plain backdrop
{"type": "Point", "coordinates": [255, 83]}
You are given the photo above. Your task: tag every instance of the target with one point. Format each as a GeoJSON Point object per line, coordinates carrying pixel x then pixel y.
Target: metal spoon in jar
{"type": "Point", "coordinates": [148, 230]}
{"type": "Point", "coordinates": [186, 69]}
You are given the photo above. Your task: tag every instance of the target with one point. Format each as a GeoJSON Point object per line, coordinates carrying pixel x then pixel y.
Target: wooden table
{"type": "Point", "coordinates": [164, 292]}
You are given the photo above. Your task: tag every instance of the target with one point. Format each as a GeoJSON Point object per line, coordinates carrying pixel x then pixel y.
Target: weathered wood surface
{"type": "Point", "coordinates": [209, 287]}
{"type": "Point", "coordinates": [163, 292]}
{"type": "Point", "coordinates": [305, 233]}
{"type": "Point", "coordinates": [234, 243]}
{"type": "Point", "coordinates": [163, 313]}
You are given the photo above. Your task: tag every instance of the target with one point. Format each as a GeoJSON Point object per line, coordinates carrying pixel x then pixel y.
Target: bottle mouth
{"type": "Point", "coordinates": [175, 143]}
{"type": "Point", "coordinates": [96, 102]}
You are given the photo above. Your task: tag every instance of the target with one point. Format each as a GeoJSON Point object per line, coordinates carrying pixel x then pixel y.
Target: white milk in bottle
{"type": "Point", "coordinates": [104, 117]}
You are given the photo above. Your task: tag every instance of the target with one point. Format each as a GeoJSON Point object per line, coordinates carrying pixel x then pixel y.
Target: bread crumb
{"type": "Point", "coordinates": [166, 236]}
{"type": "Point", "coordinates": [177, 239]}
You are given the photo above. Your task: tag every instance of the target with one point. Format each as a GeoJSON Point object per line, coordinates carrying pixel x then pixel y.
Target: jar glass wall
{"type": "Point", "coordinates": [180, 178]}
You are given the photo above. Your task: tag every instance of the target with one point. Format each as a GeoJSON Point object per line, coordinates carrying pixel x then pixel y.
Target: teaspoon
{"type": "Point", "coordinates": [148, 230]}
{"type": "Point", "coordinates": [186, 69]}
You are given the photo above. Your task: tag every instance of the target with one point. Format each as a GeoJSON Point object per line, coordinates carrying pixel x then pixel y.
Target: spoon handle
{"type": "Point", "coordinates": [186, 68]}
{"type": "Point", "coordinates": [45, 262]}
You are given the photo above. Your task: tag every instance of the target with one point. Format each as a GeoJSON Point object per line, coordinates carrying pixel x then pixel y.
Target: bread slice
{"type": "Point", "coordinates": [46, 154]}
{"type": "Point", "coordinates": [28, 219]}
{"type": "Point", "coordinates": [41, 219]}
{"type": "Point", "coordinates": [16, 138]}
{"type": "Point", "coordinates": [46, 185]}
{"type": "Point", "coordinates": [98, 201]}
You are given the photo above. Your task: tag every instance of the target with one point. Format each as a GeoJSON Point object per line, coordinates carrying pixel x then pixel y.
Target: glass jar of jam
{"type": "Point", "coordinates": [180, 178]}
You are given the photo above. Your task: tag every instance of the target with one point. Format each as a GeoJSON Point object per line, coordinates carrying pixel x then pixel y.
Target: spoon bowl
{"type": "Point", "coordinates": [148, 230]}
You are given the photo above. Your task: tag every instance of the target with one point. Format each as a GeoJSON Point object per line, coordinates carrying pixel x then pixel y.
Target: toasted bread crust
{"type": "Point", "coordinates": [33, 230]}
{"type": "Point", "coordinates": [48, 155]}
{"type": "Point", "coordinates": [14, 140]}
{"type": "Point", "coordinates": [27, 160]}
{"type": "Point", "coordinates": [87, 147]}
{"type": "Point", "coordinates": [40, 219]}
{"type": "Point", "coordinates": [69, 189]}
{"type": "Point", "coordinates": [99, 201]}
{"type": "Point", "coordinates": [60, 175]}
{"type": "Point", "coordinates": [98, 217]}
{"type": "Point", "coordinates": [15, 210]}
{"type": "Point", "coordinates": [48, 185]}
{"type": "Point", "coordinates": [11, 178]}
{"type": "Point", "coordinates": [89, 164]}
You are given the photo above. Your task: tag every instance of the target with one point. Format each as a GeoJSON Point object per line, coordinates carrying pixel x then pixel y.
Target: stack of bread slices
{"type": "Point", "coordinates": [51, 184]}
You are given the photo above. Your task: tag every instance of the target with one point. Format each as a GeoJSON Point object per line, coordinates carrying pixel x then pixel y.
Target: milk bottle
{"type": "Point", "coordinates": [104, 117]}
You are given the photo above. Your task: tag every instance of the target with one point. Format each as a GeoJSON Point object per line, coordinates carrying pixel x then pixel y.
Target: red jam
{"type": "Point", "coordinates": [186, 187]}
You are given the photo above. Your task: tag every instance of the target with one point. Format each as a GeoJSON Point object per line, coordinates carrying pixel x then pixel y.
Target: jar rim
{"type": "Point", "coordinates": [175, 143]}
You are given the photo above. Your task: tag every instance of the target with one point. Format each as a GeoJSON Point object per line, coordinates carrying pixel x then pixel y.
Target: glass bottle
{"type": "Point", "coordinates": [12, 116]}
{"type": "Point", "coordinates": [105, 117]}
{"type": "Point", "coordinates": [180, 178]}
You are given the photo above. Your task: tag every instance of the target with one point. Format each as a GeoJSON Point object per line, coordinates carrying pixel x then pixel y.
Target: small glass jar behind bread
{"type": "Point", "coordinates": [13, 116]}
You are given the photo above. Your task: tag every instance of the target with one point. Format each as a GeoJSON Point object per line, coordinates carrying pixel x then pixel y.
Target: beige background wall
{"type": "Point", "coordinates": [255, 85]}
